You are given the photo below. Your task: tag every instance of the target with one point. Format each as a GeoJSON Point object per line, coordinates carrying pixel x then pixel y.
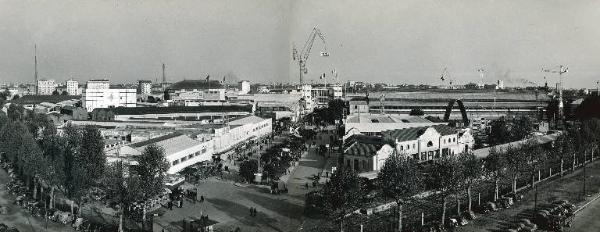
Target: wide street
{"type": "Point", "coordinates": [229, 203]}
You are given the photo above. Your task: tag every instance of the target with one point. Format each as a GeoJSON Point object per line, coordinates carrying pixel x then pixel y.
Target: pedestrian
{"type": "Point", "coordinates": [170, 205]}
{"type": "Point", "coordinates": [255, 212]}
{"type": "Point", "coordinates": [202, 199]}
{"type": "Point", "coordinates": [306, 185]}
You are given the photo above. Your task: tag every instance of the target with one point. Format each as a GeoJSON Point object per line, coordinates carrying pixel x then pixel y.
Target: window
{"type": "Point", "coordinates": [453, 139]}
{"type": "Point", "coordinates": [190, 156]}
{"type": "Point", "coordinates": [429, 144]}
{"type": "Point", "coordinates": [175, 162]}
{"type": "Point", "coordinates": [401, 147]}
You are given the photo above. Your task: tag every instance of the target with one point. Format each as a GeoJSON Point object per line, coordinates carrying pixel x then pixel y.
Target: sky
{"type": "Point", "coordinates": [391, 41]}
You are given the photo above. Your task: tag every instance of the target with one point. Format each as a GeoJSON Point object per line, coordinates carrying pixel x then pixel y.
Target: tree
{"type": "Point", "coordinates": [400, 179]}
{"type": "Point", "coordinates": [151, 170]}
{"type": "Point", "coordinates": [3, 119]}
{"type": "Point", "coordinates": [15, 112]}
{"type": "Point", "coordinates": [54, 172]}
{"type": "Point", "coordinates": [495, 168]}
{"type": "Point", "coordinates": [589, 108]}
{"type": "Point", "coordinates": [521, 128]}
{"type": "Point", "coordinates": [121, 187]}
{"type": "Point", "coordinates": [337, 108]}
{"type": "Point", "coordinates": [151, 99]}
{"type": "Point", "coordinates": [499, 132]}
{"type": "Point", "coordinates": [16, 97]}
{"type": "Point", "coordinates": [342, 194]}
{"type": "Point", "coordinates": [417, 112]}
{"type": "Point", "coordinates": [64, 93]}
{"type": "Point", "coordinates": [516, 163]}
{"type": "Point", "coordinates": [247, 169]}
{"type": "Point", "coordinates": [55, 93]}
{"type": "Point", "coordinates": [444, 175]}
{"type": "Point", "coordinates": [472, 171]}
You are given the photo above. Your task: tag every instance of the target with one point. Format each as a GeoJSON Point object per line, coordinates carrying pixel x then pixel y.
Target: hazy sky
{"type": "Point", "coordinates": [390, 41]}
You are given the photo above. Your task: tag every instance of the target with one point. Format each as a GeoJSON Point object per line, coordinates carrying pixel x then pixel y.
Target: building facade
{"type": "Point", "coordinates": [108, 98]}
{"type": "Point", "coordinates": [46, 87]}
{"type": "Point", "coordinates": [144, 87]}
{"type": "Point", "coordinates": [190, 91]}
{"type": "Point", "coordinates": [244, 87]}
{"type": "Point", "coordinates": [73, 87]}
{"type": "Point", "coordinates": [98, 84]}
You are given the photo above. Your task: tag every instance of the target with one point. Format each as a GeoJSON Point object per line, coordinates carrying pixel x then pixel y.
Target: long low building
{"type": "Point", "coordinates": [478, 103]}
{"type": "Point", "coordinates": [180, 150]}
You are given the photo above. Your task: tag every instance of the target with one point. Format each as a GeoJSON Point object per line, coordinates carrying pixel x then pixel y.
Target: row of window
{"type": "Point", "coordinates": [429, 144]}
{"type": "Point", "coordinates": [260, 127]}
{"type": "Point", "coordinates": [175, 162]}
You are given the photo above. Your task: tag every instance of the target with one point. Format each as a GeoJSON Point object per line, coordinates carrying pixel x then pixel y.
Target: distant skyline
{"type": "Point", "coordinates": [408, 41]}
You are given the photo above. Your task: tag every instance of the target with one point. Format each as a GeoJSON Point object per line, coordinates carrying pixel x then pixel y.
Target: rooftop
{"type": "Point", "coordinates": [36, 99]}
{"type": "Point", "coordinates": [414, 133]}
{"type": "Point", "coordinates": [176, 109]}
{"type": "Point", "coordinates": [171, 143]}
{"type": "Point", "coordinates": [246, 120]}
{"type": "Point", "coordinates": [385, 118]}
{"type": "Point", "coordinates": [363, 145]}
{"type": "Point", "coordinates": [196, 84]}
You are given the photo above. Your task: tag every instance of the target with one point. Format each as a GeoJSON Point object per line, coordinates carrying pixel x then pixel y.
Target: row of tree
{"type": "Point", "coordinates": [402, 178]}
{"type": "Point", "coordinates": [73, 162]}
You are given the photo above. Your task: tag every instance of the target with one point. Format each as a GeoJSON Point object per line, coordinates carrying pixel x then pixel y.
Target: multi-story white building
{"type": "Point", "coordinates": [319, 96]}
{"type": "Point", "coordinates": [98, 84]}
{"type": "Point", "coordinates": [106, 98]}
{"type": "Point", "coordinates": [144, 87]}
{"type": "Point", "coordinates": [73, 87]}
{"type": "Point", "coordinates": [244, 87]}
{"type": "Point", "coordinates": [46, 87]}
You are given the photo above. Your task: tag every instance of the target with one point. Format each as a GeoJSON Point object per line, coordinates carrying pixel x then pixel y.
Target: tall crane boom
{"type": "Point", "coordinates": [303, 55]}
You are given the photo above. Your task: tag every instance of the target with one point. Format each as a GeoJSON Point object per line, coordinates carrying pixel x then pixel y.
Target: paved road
{"type": "Point", "coordinates": [587, 219]}
{"type": "Point", "coordinates": [310, 164]}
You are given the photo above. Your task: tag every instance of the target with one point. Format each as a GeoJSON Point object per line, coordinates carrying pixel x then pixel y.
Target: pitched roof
{"type": "Point", "coordinates": [445, 129]}
{"type": "Point", "coordinates": [414, 133]}
{"type": "Point", "coordinates": [196, 84]}
{"type": "Point", "coordinates": [362, 145]}
{"type": "Point", "coordinates": [406, 134]}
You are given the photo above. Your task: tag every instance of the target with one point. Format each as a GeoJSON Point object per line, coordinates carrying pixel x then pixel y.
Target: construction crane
{"type": "Point", "coordinates": [303, 55]}
{"type": "Point", "coordinates": [561, 70]}
{"type": "Point", "coordinates": [446, 75]}
{"type": "Point", "coordinates": [481, 72]}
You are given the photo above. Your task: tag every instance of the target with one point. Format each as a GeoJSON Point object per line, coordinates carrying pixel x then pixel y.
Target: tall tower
{"type": "Point", "coordinates": [164, 77]}
{"type": "Point", "coordinates": [35, 67]}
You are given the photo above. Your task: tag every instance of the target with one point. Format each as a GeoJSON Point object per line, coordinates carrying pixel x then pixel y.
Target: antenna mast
{"type": "Point", "coordinates": [35, 67]}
